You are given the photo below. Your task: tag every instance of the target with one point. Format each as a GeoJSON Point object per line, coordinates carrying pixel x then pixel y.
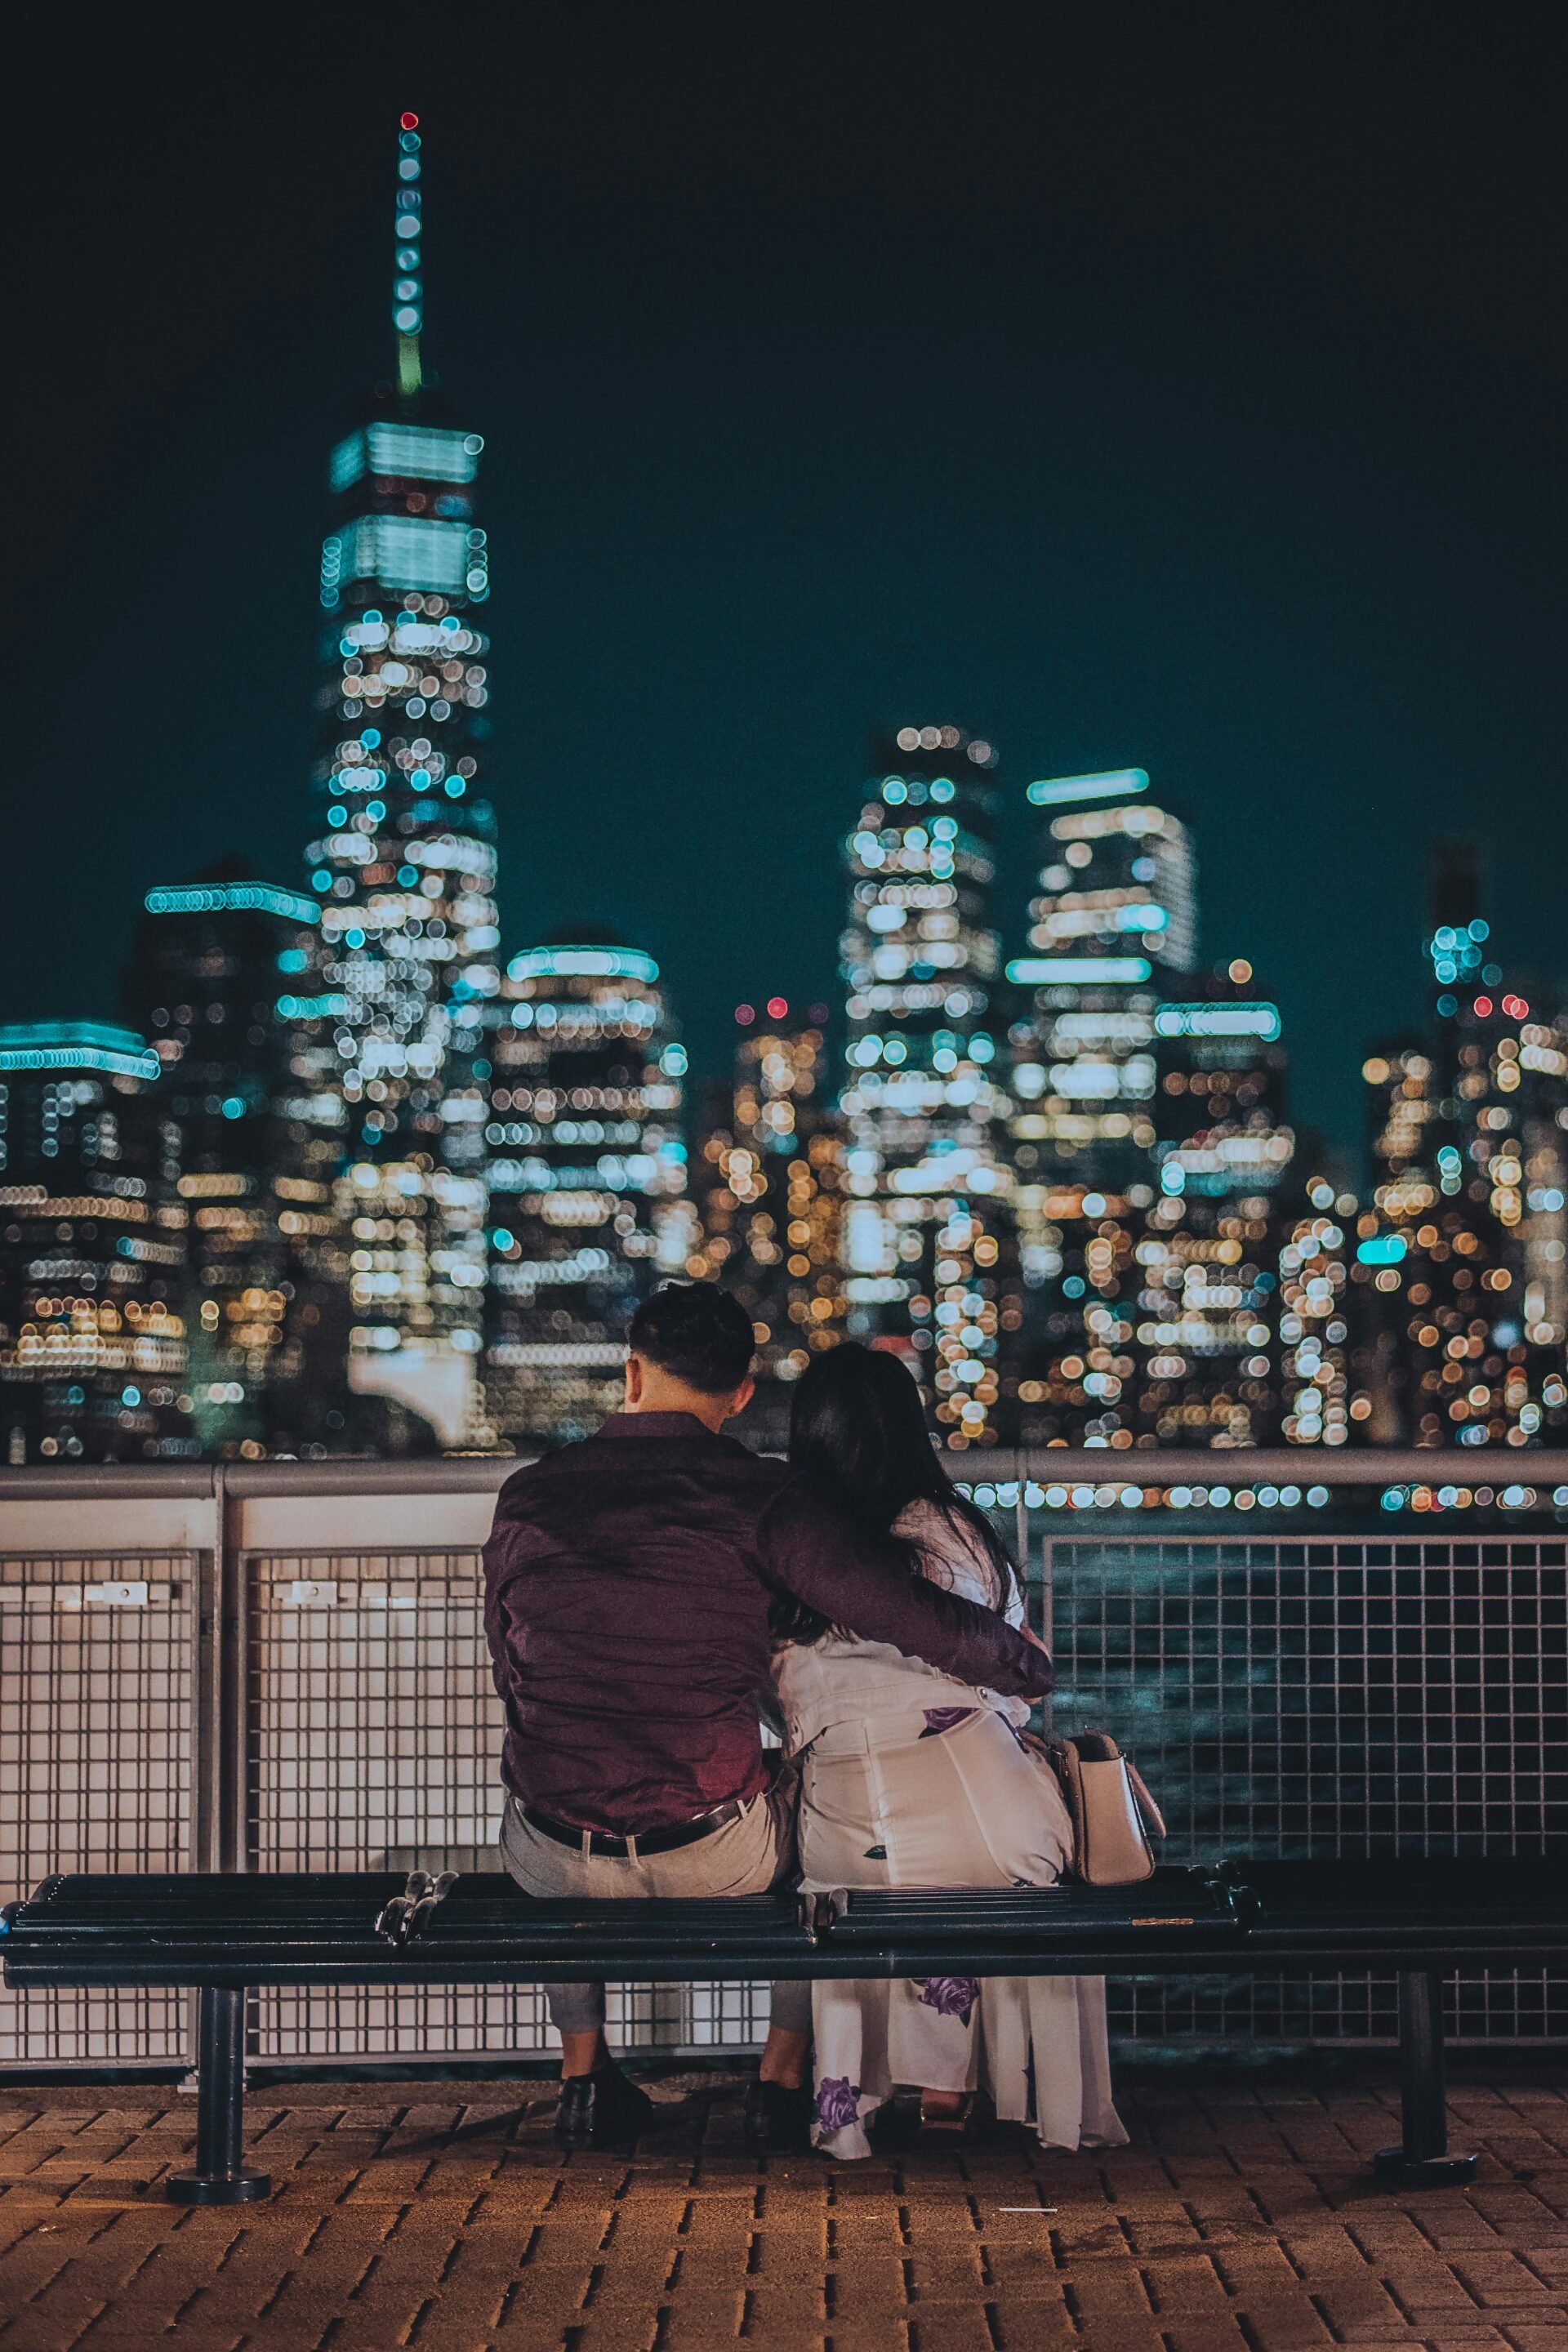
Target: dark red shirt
{"type": "Point", "coordinates": [628, 1583]}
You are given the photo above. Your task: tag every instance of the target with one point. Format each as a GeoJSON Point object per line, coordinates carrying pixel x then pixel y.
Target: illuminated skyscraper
{"type": "Point", "coordinates": [929, 1247]}
{"type": "Point", "coordinates": [768, 1185]}
{"type": "Point", "coordinates": [1319, 1321]}
{"type": "Point", "coordinates": [1462, 1256]}
{"type": "Point", "coordinates": [213, 981]}
{"type": "Point", "coordinates": [203, 984]}
{"type": "Point", "coordinates": [405, 861]}
{"type": "Point", "coordinates": [1210, 1259]}
{"type": "Point", "coordinates": [587, 1175]}
{"type": "Point", "coordinates": [1114, 930]}
{"type": "Point", "coordinates": [93, 1351]}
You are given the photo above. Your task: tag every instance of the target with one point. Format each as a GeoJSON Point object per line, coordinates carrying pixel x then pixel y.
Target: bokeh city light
{"type": "Point", "coordinates": [351, 1177]}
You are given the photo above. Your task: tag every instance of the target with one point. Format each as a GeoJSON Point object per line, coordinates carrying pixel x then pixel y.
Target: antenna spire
{"type": "Point", "coordinates": [408, 286]}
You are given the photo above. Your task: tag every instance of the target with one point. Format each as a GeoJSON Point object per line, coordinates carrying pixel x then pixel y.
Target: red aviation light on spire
{"type": "Point", "coordinates": [408, 123]}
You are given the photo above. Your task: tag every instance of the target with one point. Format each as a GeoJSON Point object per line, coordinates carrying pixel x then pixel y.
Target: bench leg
{"type": "Point", "coordinates": [220, 2177]}
{"type": "Point", "coordinates": [1423, 2161]}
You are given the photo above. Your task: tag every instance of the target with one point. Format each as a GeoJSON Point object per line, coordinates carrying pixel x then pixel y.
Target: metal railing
{"type": "Point", "coordinates": [282, 1667]}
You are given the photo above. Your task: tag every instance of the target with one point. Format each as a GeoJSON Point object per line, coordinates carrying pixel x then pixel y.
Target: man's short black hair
{"type": "Point", "coordinates": [697, 1333]}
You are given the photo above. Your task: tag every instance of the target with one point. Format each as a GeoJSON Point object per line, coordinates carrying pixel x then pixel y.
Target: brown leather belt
{"type": "Point", "coordinates": [601, 1841]}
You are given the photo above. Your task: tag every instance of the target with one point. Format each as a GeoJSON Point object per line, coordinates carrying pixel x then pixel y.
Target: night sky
{"type": "Point", "coordinates": [1176, 386]}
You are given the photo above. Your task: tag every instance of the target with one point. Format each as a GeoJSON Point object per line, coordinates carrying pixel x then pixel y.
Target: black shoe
{"type": "Point", "coordinates": [895, 2129]}
{"type": "Point", "coordinates": [778, 2119]}
{"type": "Point", "coordinates": [601, 2110]}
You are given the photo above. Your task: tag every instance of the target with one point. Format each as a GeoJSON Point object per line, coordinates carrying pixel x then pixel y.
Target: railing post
{"type": "Point", "coordinates": [232, 1748]}
{"type": "Point", "coordinates": [234, 1633]}
{"type": "Point", "coordinates": [1047, 1622]}
{"type": "Point", "coordinates": [206, 1746]}
{"type": "Point", "coordinates": [1422, 2160]}
{"type": "Point", "coordinates": [220, 2177]}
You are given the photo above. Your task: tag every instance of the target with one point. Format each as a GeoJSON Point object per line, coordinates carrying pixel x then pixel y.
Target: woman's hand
{"type": "Point", "coordinates": [1035, 1638]}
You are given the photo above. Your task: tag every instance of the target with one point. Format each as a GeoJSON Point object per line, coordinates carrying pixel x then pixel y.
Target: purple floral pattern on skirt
{"type": "Point", "coordinates": [951, 1996]}
{"type": "Point", "coordinates": [944, 1718]}
{"type": "Point", "coordinates": [837, 2101]}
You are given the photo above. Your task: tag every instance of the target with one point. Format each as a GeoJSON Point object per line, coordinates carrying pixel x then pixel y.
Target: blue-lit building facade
{"type": "Point", "coordinates": [1150, 1142]}
{"type": "Point", "coordinates": [1319, 1316]}
{"type": "Point", "coordinates": [1467, 1225]}
{"type": "Point", "coordinates": [389, 1029]}
{"type": "Point", "coordinates": [94, 1351]}
{"type": "Point", "coordinates": [929, 1246]}
{"type": "Point", "coordinates": [212, 983]}
{"type": "Point", "coordinates": [587, 1181]}
{"type": "Point", "coordinates": [1210, 1257]}
{"type": "Point", "coordinates": [1113, 932]}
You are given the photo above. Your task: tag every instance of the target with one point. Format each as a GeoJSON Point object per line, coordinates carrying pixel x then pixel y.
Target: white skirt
{"type": "Point", "coordinates": [951, 1798]}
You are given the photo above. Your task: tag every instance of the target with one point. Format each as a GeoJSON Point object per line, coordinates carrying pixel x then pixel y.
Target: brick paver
{"type": "Point", "coordinates": [442, 2218]}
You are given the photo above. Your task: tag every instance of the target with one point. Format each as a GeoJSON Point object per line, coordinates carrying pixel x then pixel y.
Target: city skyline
{"type": "Point", "coordinates": [785, 938]}
{"type": "Point", "coordinates": [1168, 502]}
{"type": "Point", "coordinates": [1063, 1186]}
{"type": "Point", "coordinates": [362, 1176]}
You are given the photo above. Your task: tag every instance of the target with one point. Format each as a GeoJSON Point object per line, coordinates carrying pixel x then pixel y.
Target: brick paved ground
{"type": "Point", "coordinates": [1241, 2219]}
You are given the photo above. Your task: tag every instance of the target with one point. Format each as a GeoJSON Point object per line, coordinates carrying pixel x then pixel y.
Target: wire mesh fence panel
{"type": "Point", "coordinates": [1288, 1697]}
{"type": "Point", "coordinates": [98, 1671]}
{"type": "Point", "coordinates": [374, 1739]}
{"type": "Point", "coordinates": [1310, 1699]}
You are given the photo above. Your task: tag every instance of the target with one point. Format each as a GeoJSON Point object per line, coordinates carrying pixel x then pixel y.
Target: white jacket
{"type": "Point", "coordinates": [842, 1680]}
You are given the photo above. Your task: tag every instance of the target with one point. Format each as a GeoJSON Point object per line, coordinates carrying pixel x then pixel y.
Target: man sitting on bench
{"type": "Point", "coordinates": [628, 1582]}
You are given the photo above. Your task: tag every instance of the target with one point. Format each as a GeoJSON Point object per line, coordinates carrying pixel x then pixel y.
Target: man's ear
{"type": "Point", "coordinates": [634, 1379]}
{"type": "Point", "coordinates": [741, 1398]}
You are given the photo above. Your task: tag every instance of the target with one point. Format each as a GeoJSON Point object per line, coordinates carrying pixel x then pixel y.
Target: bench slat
{"type": "Point", "coordinates": [318, 1927]}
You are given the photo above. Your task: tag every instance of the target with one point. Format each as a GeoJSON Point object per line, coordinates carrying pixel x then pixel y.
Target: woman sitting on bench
{"type": "Point", "coordinates": [909, 1779]}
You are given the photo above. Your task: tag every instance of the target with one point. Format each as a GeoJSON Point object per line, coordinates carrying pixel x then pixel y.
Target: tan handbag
{"type": "Point", "coordinates": [1113, 1816]}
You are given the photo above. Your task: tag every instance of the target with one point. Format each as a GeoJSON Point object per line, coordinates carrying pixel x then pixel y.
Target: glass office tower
{"type": "Point", "coordinates": [1113, 931]}
{"type": "Point", "coordinates": [405, 864]}
{"type": "Point", "coordinates": [1211, 1256]}
{"type": "Point", "coordinates": [929, 1244]}
{"type": "Point", "coordinates": [93, 1344]}
{"type": "Point", "coordinates": [1463, 1251]}
{"type": "Point", "coordinates": [1319, 1321]}
{"type": "Point", "coordinates": [210, 983]}
{"type": "Point", "coordinates": [587, 1178]}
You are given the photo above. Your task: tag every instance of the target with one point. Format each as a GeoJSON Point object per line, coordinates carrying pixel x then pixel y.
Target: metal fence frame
{"type": "Point", "coordinates": [227, 1520]}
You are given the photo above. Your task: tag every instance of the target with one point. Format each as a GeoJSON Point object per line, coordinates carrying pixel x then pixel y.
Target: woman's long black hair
{"type": "Point", "coordinates": [857, 1431]}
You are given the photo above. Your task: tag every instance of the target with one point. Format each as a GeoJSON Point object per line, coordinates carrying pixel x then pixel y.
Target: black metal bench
{"type": "Point", "coordinates": [222, 1934]}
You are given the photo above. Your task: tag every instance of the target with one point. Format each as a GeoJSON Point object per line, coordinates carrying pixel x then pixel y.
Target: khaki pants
{"type": "Point", "coordinates": [747, 1856]}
